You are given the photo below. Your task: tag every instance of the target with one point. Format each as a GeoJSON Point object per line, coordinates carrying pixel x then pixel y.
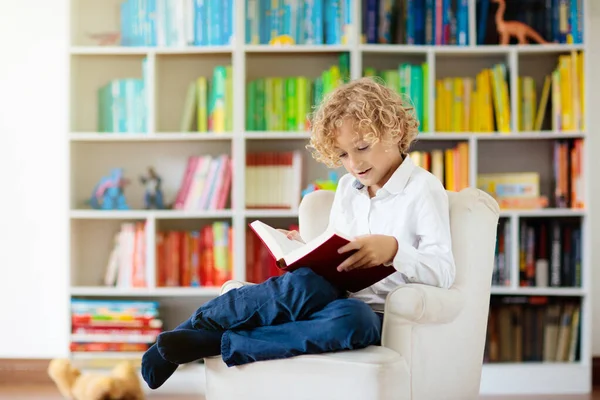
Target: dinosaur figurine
{"type": "Point", "coordinates": [521, 31]}
{"type": "Point", "coordinates": [108, 193]}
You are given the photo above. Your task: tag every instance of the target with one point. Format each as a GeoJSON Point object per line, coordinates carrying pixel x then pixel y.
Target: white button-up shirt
{"type": "Point", "coordinates": [413, 207]}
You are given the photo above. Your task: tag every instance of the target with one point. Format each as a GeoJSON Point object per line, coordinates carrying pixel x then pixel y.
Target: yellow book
{"type": "Point", "coordinates": [581, 74]}
{"type": "Point", "coordinates": [541, 112]}
{"type": "Point", "coordinates": [468, 104]}
{"type": "Point", "coordinates": [449, 169]}
{"type": "Point", "coordinates": [448, 82]}
{"type": "Point", "coordinates": [556, 101]}
{"type": "Point", "coordinates": [463, 162]}
{"type": "Point", "coordinates": [566, 95]}
{"type": "Point", "coordinates": [439, 91]}
{"type": "Point", "coordinates": [575, 98]}
{"type": "Point", "coordinates": [202, 103]}
{"type": "Point", "coordinates": [457, 105]}
{"type": "Point", "coordinates": [520, 105]}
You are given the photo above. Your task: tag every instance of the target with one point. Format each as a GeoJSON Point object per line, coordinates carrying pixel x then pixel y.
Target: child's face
{"type": "Point", "coordinates": [371, 164]}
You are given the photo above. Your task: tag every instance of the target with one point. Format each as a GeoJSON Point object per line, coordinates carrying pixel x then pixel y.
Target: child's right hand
{"type": "Point", "coordinates": [292, 235]}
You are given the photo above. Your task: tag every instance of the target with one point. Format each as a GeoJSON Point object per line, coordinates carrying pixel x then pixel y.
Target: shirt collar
{"type": "Point", "coordinates": [398, 180]}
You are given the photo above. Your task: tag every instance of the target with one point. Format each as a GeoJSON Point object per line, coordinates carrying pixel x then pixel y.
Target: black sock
{"type": "Point", "coordinates": [182, 346]}
{"type": "Point", "coordinates": [155, 369]}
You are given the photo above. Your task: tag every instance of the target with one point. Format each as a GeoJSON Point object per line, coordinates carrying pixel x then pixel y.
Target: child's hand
{"type": "Point", "coordinates": [292, 235]}
{"type": "Point", "coordinates": [373, 250]}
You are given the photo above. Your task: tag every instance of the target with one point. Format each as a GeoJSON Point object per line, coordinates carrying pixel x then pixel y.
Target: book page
{"type": "Point", "coordinates": [276, 238]}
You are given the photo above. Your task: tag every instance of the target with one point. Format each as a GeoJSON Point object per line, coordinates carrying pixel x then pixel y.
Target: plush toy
{"type": "Point", "coordinates": [108, 193]}
{"type": "Point", "coordinates": [122, 383]}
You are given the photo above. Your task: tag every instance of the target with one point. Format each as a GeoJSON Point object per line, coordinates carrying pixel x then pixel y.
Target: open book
{"type": "Point", "coordinates": [319, 254]}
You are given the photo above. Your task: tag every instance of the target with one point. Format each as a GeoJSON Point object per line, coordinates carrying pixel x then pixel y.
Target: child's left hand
{"type": "Point", "coordinates": [373, 250]}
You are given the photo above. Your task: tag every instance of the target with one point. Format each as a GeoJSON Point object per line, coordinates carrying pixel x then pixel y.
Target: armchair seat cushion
{"type": "Point", "coordinates": [375, 372]}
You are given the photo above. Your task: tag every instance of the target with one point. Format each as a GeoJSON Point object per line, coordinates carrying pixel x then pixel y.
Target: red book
{"type": "Point", "coordinates": [321, 255]}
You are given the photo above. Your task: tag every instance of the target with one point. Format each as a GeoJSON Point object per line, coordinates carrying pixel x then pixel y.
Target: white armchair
{"type": "Point", "coordinates": [433, 339]}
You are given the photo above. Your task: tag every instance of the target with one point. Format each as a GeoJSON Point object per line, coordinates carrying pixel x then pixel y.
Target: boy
{"type": "Point", "coordinates": [398, 214]}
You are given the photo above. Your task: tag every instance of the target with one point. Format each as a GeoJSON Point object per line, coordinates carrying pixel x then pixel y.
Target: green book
{"type": "Point", "coordinates": [189, 108]}
{"type": "Point", "coordinates": [260, 121]}
{"type": "Point", "coordinates": [202, 104]}
{"type": "Point", "coordinates": [228, 99]}
{"type": "Point", "coordinates": [251, 97]}
{"type": "Point", "coordinates": [278, 104]}
{"type": "Point", "coordinates": [425, 94]}
{"type": "Point", "coordinates": [269, 105]}
{"type": "Point", "coordinates": [291, 99]}
{"type": "Point", "coordinates": [302, 103]}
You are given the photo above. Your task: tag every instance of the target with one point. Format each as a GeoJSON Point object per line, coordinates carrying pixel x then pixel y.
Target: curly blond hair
{"type": "Point", "coordinates": [379, 113]}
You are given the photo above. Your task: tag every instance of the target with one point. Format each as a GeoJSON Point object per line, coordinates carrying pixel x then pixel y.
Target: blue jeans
{"type": "Point", "coordinates": [293, 314]}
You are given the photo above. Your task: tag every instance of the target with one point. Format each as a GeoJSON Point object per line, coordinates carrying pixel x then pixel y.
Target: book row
{"type": "Point", "coordinates": [450, 166]}
{"type": "Point", "coordinates": [549, 253]}
{"type": "Point", "coordinates": [176, 23]}
{"type": "Point", "coordinates": [553, 21]}
{"type": "Point", "coordinates": [312, 22]}
{"type": "Point", "coordinates": [522, 190]}
{"type": "Point", "coordinates": [283, 103]}
{"type": "Point", "coordinates": [194, 258]}
{"type": "Point", "coordinates": [533, 329]}
{"type": "Point", "coordinates": [109, 325]}
{"type": "Point", "coordinates": [415, 22]}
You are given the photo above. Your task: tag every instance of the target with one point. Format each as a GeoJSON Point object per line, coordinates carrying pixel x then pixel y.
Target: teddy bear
{"type": "Point", "coordinates": [122, 383]}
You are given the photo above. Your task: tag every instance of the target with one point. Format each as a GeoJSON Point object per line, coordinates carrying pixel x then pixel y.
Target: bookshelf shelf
{"type": "Point", "coordinates": [296, 49]}
{"type": "Point", "coordinates": [145, 292]}
{"type": "Point", "coordinates": [166, 144]}
{"type": "Point", "coordinates": [543, 212]}
{"type": "Point", "coordinates": [147, 214]}
{"type": "Point", "coordinates": [149, 137]}
{"type": "Point", "coordinates": [535, 291]}
{"type": "Point", "coordinates": [117, 50]}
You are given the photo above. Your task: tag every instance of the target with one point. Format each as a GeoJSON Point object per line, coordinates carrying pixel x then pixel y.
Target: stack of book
{"type": "Point", "coordinates": [260, 263]}
{"type": "Point", "coordinates": [274, 179]}
{"type": "Point", "coordinates": [450, 166]}
{"type": "Point", "coordinates": [176, 23]}
{"type": "Point", "coordinates": [209, 103]}
{"type": "Point", "coordinates": [533, 329]}
{"type": "Point", "coordinates": [126, 266]}
{"type": "Point", "coordinates": [199, 258]}
{"type": "Point", "coordinates": [113, 326]}
{"type": "Point", "coordinates": [415, 22]}
{"type": "Point", "coordinates": [482, 104]}
{"type": "Point", "coordinates": [122, 106]}
{"type": "Point", "coordinates": [283, 103]}
{"type": "Point", "coordinates": [205, 184]}
{"type": "Point", "coordinates": [298, 22]}
{"type": "Point", "coordinates": [410, 80]}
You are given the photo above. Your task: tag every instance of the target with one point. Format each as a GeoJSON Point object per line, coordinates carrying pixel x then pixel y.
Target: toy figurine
{"type": "Point", "coordinates": [319, 184]}
{"type": "Point", "coordinates": [108, 193]}
{"type": "Point", "coordinates": [521, 31]}
{"type": "Point", "coordinates": [153, 196]}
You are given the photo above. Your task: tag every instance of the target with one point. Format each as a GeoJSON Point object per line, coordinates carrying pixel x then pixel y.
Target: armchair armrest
{"type": "Point", "coordinates": [424, 304]}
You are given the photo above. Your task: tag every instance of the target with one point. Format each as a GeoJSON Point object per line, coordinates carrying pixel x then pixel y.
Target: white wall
{"type": "Point", "coordinates": [33, 165]}
{"type": "Point", "coordinates": [33, 194]}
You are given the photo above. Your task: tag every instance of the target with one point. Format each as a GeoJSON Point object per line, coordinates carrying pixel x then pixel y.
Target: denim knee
{"type": "Point", "coordinates": [360, 323]}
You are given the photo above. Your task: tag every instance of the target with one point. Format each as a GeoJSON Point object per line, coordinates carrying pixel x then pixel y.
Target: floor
{"type": "Point", "coordinates": [50, 393]}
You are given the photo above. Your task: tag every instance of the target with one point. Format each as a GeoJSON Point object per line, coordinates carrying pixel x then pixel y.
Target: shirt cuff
{"type": "Point", "coordinates": [405, 259]}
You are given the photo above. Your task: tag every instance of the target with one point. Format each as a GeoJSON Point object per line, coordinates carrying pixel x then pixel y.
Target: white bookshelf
{"type": "Point", "coordinates": [93, 154]}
